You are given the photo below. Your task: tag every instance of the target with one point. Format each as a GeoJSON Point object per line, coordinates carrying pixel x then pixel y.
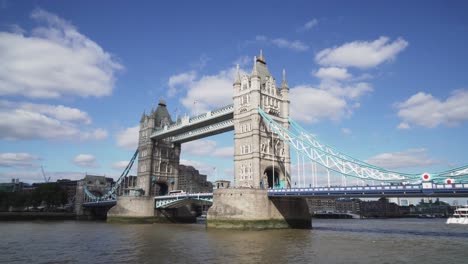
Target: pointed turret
{"type": "Point", "coordinates": [254, 70]}
{"type": "Point", "coordinates": [161, 115]}
{"type": "Point", "coordinates": [261, 58]}
{"type": "Point", "coordinates": [237, 80]}
{"type": "Point", "coordinates": [143, 116]}
{"type": "Point", "coordinates": [284, 83]}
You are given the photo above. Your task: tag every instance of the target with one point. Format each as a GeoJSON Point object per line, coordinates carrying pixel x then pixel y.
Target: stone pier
{"type": "Point", "coordinates": [247, 208]}
{"type": "Point", "coordinates": [140, 209]}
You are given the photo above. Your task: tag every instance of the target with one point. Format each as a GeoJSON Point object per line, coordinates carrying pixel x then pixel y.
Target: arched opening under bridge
{"type": "Point", "coordinates": [272, 178]}
{"type": "Point", "coordinates": [161, 188]}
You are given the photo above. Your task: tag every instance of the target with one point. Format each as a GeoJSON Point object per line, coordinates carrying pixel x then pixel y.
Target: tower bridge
{"type": "Point", "coordinates": [264, 135]}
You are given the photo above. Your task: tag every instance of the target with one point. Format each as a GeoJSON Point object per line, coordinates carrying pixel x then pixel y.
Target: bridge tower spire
{"type": "Point", "coordinates": [261, 158]}
{"type": "Point", "coordinates": [158, 160]}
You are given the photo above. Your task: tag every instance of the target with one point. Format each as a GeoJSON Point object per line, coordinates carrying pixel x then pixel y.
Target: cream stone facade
{"type": "Point", "coordinates": [261, 159]}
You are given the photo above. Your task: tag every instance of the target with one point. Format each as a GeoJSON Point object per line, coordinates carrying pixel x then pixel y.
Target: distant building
{"type": "Point", "coordinates": [380, 208]}
{"type": "Point", "coordinates": [127, 186]}
{"type": "Point", "coordinates": [14, 186]}
{"type": "Point", "coordinates": [70, 187]}
{"type": "Point", "coordinates": [345, 205]}
{"type": "Point", "coordinates": [222, 184]}
{"type": "Point", "coordinates": [322, 205]}
{"type": "Point", "coordinates": [190, 180]}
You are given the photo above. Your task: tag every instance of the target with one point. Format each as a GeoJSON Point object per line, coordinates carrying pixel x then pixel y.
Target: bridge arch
{"type": "Point", "coordinates": [161, 188]}
{"type": "Point", "coordinates": [271, 177]}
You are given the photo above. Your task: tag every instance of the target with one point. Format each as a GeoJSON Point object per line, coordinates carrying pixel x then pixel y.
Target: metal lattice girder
{"type": "Point", "coordinates": [456, 173]}
{"type": "Point", "coordinates": [329, 158]}
{"type": "Point", "coordinates": [172, 200]}
{"type": "Point", "coordinates": [334, 160]}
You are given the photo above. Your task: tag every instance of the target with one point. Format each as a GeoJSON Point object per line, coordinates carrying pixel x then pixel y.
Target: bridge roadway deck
{"type": "Point", "coordinates": [409, 190]}
{"type": "Point", "coordinates": [198, 122]}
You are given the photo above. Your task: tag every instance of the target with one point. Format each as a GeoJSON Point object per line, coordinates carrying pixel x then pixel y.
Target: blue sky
{"type": "Point", "coordinates": [382, 81]}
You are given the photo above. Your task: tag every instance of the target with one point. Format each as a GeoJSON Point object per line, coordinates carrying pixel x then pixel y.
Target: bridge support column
{"type": "Point", "coordinates": [244, 208]}
{"type": "Point", "coordinates": [133, 209]}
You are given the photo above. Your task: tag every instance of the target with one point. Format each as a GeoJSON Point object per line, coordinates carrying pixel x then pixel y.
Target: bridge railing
{"type": "Point", "coordinates": [409, 189]}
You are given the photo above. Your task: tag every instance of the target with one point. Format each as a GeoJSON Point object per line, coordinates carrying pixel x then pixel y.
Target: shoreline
{"type": "Point", "coordinates": [28, 216]}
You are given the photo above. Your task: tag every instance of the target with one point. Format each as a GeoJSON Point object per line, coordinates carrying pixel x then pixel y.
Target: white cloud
{"type": "Point", "coordinates": [308, 25]}
{"type": "Point", "coordinates": [54, 60]}
{"type": "Point", "coordinates": [85, 161]}
{"type": "Point", "coordinates": [225, 152]}
{"type": "Point", "coordinates": [199, 147]}
{"type": "Point", "coordinates": [128, 138]}
{"type": "Point", "coordinates": [403, 125]}
{"type": "Point", "coordinates": [346, 90]}
{"type": "Point", "coordinates": [295, 45]}
{"type": "Point", "coordinates": [346, 131]}
{"type": "Point", "coordinates": [333, 73]}
{"type": "Point", "coordinates": [411, 158]}
{"type": "Point", "coordinates": [18, 160]}
{"type": "Point", "coordinates": [361, 54]}
{"type": "Point", "coordinates": [209, 92]}
{"type": "Point", "coordinates": [120, 165]}
{"type": "Point", "coordinates": [425, 110]}
{"type": "Point", "coordinates": [309, 106]}
{"type": "Point", "coordinates": [183, 79]}
{"type": "Point", "coordinates": [202, 167]}
{"type": "Point", "coordinates": [207, 148]}
{"type": "Point", "coordinates": [243, 61]}
{"type": "Point", "coordinates": [42, 121]}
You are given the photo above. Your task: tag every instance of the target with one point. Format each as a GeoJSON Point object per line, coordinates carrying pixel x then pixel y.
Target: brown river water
{"type": "Point", "coordinates": [330, 241]}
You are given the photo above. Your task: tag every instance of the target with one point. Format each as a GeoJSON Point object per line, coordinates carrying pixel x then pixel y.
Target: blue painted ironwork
{"type": "Point", "coordinates": [335, 161]}
{"type": "Point", "coordinates": [175, 200]}
{"type": "Point", "coordinates": [426, 189]}
{"type": "Point", "coordinates": [111, 195]}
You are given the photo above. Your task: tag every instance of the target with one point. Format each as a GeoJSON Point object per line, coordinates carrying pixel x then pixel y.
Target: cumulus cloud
{"type": "Point", "coordinates": [120, 165]}
{"type": "Point", "coordinates": [207, 148]}
{"type": "Point", "coordinates": [425, 110]}
{"type": "Point", "coordinates": [128, 138]}
{"type": "Point", "coordinates": [225, 152]}
{"type": "Point", "coordinates": [346, 131]}
{"type": "Point", "coordinates": [18, 160]}
{"type": "Point", "coordinates": [309, 106]}
{"type": "Point", "coordinates": [85, 161]}
{"type": "Point", "coordinates": [209, 92]}
{"type": "Point", "coordinates": [295, 45]}
{"type": "Point", "coordinates": [411, 158]}
{"type": "Point", "coordinates": [333, 73]}
{"type": "Point", "coordinates": [21, 120]}
{"type": "Point", "coordinates": [180, 80]}
{"type": "Point", "coordinates": [308, 25]}
{"type": "Point", "coordinates": [361, 54]}
{"type": "Point", "coordinates": [202, 167]}
{"type": "Point", "coordinates": [54, 60]}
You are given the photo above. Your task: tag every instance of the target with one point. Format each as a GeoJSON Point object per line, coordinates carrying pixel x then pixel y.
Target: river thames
{"type": "Point", "coordinates": [330, 241]}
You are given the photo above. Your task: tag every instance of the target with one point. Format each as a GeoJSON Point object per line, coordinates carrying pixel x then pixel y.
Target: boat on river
{"type": "Point", "coordinates": [460, 216]}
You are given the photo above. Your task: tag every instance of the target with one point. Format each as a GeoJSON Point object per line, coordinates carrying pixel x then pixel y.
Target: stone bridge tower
{"type": "Point", "coordinates": [158, 160]}
{"type": "Point", "coordinates": [261, 159]}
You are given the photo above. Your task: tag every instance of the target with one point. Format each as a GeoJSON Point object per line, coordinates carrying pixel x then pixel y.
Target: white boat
{"type": "Point", "coordinates": [460, 216]}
